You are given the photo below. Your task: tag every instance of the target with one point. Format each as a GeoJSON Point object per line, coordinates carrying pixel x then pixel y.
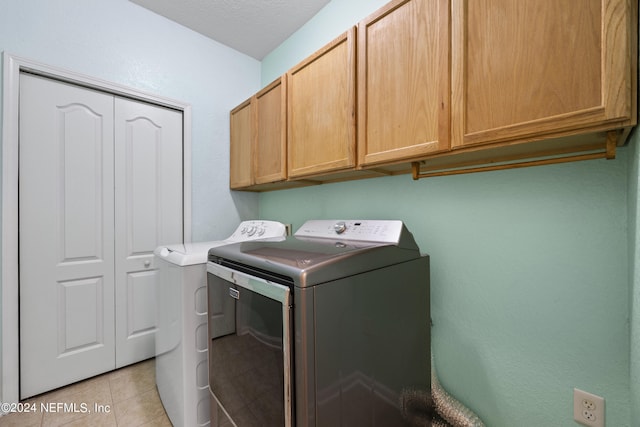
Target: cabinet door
{"type": "Point", "coordinates": [403, 81]}
{"type": "Point", "coordinates": [521, 69]}
{"type": "Point", "coordinates": [270, 153]}
{"type": "Point", "coordinates": [241, 146]}
{"type": "Point", "coordinates": [321, 110]}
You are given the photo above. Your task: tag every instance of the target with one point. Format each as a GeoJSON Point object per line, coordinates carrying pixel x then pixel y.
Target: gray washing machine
{"type": "Point", "coordinates": [328, 327]}
{"type": "Point", "coordinates": [181, 337]}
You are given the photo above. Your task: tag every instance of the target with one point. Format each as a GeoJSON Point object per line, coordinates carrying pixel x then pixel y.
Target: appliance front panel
{"type": "Point", "coordinates": [249, 348]}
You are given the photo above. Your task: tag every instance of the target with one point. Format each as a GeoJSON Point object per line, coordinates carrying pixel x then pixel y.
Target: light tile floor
{"type": "Point", "coordinates": [126, 397]}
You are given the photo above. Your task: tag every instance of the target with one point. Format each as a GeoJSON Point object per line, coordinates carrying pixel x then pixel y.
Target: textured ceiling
{"type": "Point", "coordinates": [254, 27]}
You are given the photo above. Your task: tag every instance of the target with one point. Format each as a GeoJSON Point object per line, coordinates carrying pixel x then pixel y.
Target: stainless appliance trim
{"type": "Point", "coordinates": [275, 292]}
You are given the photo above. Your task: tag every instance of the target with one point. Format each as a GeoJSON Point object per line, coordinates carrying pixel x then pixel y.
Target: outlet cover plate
{"type": "Point", "coordinates": [588, 409]}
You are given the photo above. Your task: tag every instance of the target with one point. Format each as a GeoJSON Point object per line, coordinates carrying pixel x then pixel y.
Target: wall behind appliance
{"type": "Point", "coordinates": [634, 274]}
{"type": "Point", "coordinates": [120, 42]}
{"type": "Point", "coordinates": [529, 284]}
{"type": "Point", "coordinates": [530, 268]}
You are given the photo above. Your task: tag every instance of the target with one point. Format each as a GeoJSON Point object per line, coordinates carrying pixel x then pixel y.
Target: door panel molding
{"type": "Point", "coordinates": [76, 184]}
{"type": "Point", "coordinates": [12, 67]}
{"type": "Point", "coordinates": [85, 330]}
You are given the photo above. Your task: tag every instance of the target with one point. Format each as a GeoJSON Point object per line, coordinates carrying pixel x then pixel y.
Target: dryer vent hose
{"type": "Point", "coordinates": [437, 409]}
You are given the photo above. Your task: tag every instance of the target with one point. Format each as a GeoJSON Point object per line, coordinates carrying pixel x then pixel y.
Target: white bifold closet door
{"type": "Point", "coordinates": [100, 186]}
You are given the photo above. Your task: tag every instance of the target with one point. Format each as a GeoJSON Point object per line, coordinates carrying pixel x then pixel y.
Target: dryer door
{"type": "Point", "coordinates": [249, 347]}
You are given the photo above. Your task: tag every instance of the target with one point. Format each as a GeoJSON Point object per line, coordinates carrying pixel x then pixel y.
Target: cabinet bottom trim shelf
{"type": "Point", "coordinates": [608, 153]}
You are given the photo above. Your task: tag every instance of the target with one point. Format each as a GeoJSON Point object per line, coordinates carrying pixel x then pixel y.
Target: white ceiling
{"type": "Point", "coordinates": [254, 27]}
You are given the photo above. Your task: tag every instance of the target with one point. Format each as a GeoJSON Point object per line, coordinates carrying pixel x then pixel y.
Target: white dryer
{"type": "Point", "coordinates": [182, 374]}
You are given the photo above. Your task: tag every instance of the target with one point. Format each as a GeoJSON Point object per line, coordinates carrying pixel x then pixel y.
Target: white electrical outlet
{"type": "Point", "coordinates": [588, 409]}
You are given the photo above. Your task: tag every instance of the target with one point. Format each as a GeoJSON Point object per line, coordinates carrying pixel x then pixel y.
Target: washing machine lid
{"type": "Point", "coordinates": [183, 254]}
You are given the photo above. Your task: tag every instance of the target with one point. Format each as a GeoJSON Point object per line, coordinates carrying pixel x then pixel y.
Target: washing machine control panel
{"type": "Point", "coordinates": [255, 229]}
{"type": "Point", "coordinates": [379, 231]}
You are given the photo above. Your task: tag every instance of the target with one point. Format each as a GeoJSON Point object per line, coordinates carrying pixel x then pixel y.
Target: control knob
{"type": "Point", "coordinates": [340, 227]}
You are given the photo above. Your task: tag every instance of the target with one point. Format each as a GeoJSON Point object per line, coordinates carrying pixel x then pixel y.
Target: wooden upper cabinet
{"type": "Point", "coordinates": [527, 69]}
{"type": "Point", "coordinates": [403, 81]}
{"type": "Point", "coordinates": [270, 152]}
{"type": "Point", "coordinates": [321, 110]}
{"type": "Point", "coordinates": [241, 146]}
{"type": "Point", "coordinates": [444, 86]}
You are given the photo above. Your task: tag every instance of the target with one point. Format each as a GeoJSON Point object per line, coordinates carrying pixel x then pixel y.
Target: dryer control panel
{"type": "Point", "coordinates": [375, 231]}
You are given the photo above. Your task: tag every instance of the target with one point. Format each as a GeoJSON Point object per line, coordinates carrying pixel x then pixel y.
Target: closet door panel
{"type": "Point", "coordinates": [148, 206]}
{"type": "Point", "coordinates": [66, 234]}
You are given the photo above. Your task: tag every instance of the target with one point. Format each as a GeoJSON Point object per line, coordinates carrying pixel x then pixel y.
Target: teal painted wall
{"type": "Point", "coordinates": [634, 292]}
{"type": "Point", "coordinates": [530, 279]}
